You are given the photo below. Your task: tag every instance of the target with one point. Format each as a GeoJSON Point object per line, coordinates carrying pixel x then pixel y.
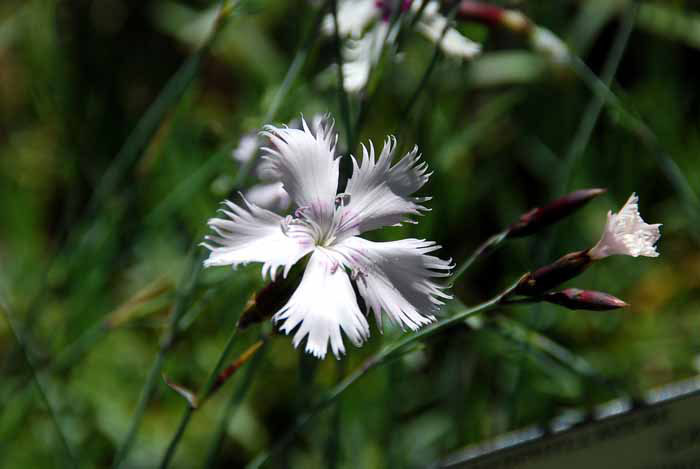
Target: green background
{"type": "Point", "coordinates": [109, 171]}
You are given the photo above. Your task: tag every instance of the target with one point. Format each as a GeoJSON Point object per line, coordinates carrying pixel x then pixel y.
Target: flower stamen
{"type": "Point", "coordinates": [341, 200]}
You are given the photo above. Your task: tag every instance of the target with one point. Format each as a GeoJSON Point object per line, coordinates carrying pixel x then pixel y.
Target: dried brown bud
{"type": "Point", "coordinates": [547, 277]}
{"type": "Point", "coordinates": [574, 298]}
{"type": "Point", "coordinates": [266, 302]}
{"type": "Point", "coordinates": [540, 217]}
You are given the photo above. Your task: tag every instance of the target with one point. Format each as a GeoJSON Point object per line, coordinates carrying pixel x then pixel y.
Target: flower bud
{"type": "Point", "coordinates": [266, 302]}
{"type": "Point", "coordinates": [540, 217]}
{"type": "Point", "coordinates": [574, 298]}
{"type": "Point", "coordinates": [547, 277]}
{"type": "Point", "coordinates": [493, 15]}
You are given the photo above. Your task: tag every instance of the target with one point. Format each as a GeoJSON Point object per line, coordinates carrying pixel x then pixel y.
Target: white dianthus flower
{"type": "Point", "coordinates": [396, 277]}
{"type": "Point", "coordinates": [627, 234]}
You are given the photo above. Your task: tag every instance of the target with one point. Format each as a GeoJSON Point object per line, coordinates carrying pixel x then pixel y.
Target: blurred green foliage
{"type": "Point", "coordinates": [90, 266]}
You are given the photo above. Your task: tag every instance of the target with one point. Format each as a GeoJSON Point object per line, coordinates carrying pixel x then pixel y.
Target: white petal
{"type": "Point", "coordinates": [360, 55]}
{"type": "Point", "coordinates": [305, 162]}
{"type": "Point", "coordinates": [379, 193]}
{"type": "Point", "coordinates": [253, 234]}
{"type": "Point", "coordinates": [323, 304]}
{"type": "Point", "coordinates": [271, 196]}
{"type": "Point", "coordinates": [397, 277]}
{"type": "Point", "coordinates": [353, 17]}
{"type": "Point", "coordinates": [246, 149]}
{"type": "Point", "coordinates": [432, 24]}
{"type": "Point", "coordinates": [627, 234]}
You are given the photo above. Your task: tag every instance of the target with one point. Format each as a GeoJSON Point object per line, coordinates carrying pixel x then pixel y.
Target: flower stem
{"type": "Point", "coordinates": [204, 395]}
{"type": "Point", "coordinates": [638, 127]}
{"type": "Point", "coordinates": [40, 388]}
{"type": "Point", "coordinates": [182, 301]}
{"type": "Point", "coordinates": [342, 94]}
{"type": "Point", "coordinates": [234, 402]}
{"type": "Point", "coordinates": [373, 82]}
{"type": "Point", "coordinates": [437, 54]}
{"type": "Point", "coordinates": [332, 449]}
{"type": "Point", "coordinates": [485, 248]}
{"type": "Point", "coordinates": [590, 117]}
{"type": "Point", "coordinates": [595, 106]}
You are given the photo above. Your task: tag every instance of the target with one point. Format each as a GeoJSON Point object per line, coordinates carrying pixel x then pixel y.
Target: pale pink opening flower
{"type": "Point", "coordinates": [627, 234]}
{"type": "Point", "coordinates": [397, 277]}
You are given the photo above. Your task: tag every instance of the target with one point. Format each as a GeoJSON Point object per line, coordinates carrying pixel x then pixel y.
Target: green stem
{"type": "Point", "coordinates": [203, 397]}
{"type": "Point", "coordinates": [233, 404]}
{"type": "Point", "coordinates": [296, 66]}
{"type": "Point", "coordinates": [560, 353]}
{"type": "Point", "coordinates": [342, 94]}
{"type": "Point", "coordinates": [332, 449]}
{"type": "Point", "coordinates": [485, 248]}
{"type": "Point", "coordinates": [150, 122]}
{"type": "Point", "coordinates": [135, 144]}
{"type": "Point", "coordinates": [181, 306]}
{"type": "Point", "coordinates": [373, 83]}
{"type": "Point", "coordinates": [40, 388]}
{"type": "Point", "coordinates": [638, 127]}
{"type": "Point", "coordinates": [595, 106]}
{"type": "Point", "coordinates": [590, 117]}
{"type": "Point", "coordinates": [437, 54]}
{"type": "Point", "coordinates": [65, 360]}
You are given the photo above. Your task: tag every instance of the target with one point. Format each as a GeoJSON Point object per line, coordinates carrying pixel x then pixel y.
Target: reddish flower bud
{"type": "Point", "coordinates": [574, 298]}
{"type": "Point", "coordinates": [547, 277]}
{"type": "Point", "coordinates": [266, 302]}
{"type": "Point", "coordinates": [540, 217]}
{"type": "Point", "coordinates": [493, 15]}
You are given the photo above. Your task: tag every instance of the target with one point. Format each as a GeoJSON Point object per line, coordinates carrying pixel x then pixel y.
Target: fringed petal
{"type": "Point", "coordinates": [304, 161]}
{"type": "Point", "coordinates": [625, 233]}
{"type": "Point", "coordinates": [322, 306]}
{"type": "Point", "coordinates": [378, 194]}
{"type": "Point", "coordinates": [397, 277]}
{"type": "Point", "coordinates": [254, 234]}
